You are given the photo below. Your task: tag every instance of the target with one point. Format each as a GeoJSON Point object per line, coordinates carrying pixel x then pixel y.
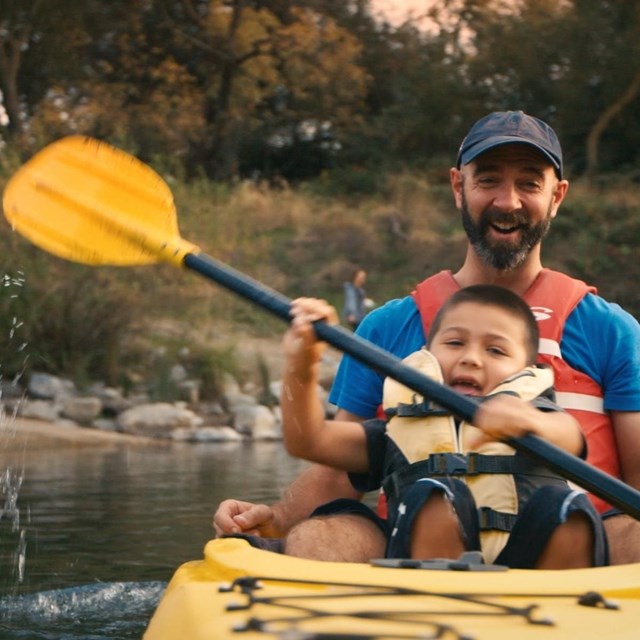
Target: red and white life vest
{"type": "Point", "coordinates": [552, 297]}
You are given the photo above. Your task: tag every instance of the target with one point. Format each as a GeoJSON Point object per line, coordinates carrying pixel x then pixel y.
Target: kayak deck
{"type": "Point", "coordinates": [237, 591]}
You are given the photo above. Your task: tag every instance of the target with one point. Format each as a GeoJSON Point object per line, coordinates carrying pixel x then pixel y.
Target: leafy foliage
{"type": "Point", "coordinates": [296, 88]}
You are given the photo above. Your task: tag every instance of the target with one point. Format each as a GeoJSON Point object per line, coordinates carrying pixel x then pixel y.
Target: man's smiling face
{"type": "Point", "coordinates": [508, 197]}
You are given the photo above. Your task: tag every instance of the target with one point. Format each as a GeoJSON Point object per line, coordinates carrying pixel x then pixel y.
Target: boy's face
{"type": "Point", "coordinates": [478, 346]}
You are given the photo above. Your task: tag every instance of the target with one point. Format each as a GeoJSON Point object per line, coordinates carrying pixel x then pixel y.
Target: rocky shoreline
{"type": "Point", "coordinates": [50, 407]}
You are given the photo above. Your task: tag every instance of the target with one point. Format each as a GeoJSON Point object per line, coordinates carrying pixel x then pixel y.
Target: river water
{"type": "Point", "coordinates": [89, 536]}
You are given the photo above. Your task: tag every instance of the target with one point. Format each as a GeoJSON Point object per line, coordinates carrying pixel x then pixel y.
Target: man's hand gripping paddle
{"type": "Point", "coordinates": [85, 201]}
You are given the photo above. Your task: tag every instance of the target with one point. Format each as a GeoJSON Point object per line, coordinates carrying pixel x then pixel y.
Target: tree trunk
{"type": "Point", "coordinates": [221, 154]}
{"type": "Point", "coordinates": [11, 47]}
{"type": "Point", "coordinates": [593, 139]}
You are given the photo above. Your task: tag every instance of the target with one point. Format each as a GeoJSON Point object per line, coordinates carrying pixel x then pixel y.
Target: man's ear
{"type": "Point", "coordinates": [456, 180]}
{"type": "Point", "coordinates": [558, 196]}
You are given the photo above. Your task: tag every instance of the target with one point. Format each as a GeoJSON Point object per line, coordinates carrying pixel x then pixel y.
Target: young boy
{"type": "Point", "coordinates": [453, 487]}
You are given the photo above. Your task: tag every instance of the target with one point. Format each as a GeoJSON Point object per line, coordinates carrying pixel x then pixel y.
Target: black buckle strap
{"type": "Point", "coordinates": [446, 464]}
{"type": "Point", "coordinates": [422, 409]}
{"type": "Point", "coordinates": [496, 520]}
{"type": "Point", "coordinates": [459, 464]}
{"type": "Point", "coordinates": [472, 464]}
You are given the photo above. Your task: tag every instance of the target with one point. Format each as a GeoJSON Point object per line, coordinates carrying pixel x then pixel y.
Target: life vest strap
{"type": "Point", "coordinates": [491, 520]}
{"type": "Point", "coordinates": [459, 464]}
{"type": "Point", "coordinates": [422, 409]}
{"type": "Point", "coordinates": [471, 464]}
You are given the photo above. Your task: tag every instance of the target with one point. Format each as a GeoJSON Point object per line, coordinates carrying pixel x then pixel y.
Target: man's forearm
{"type": "Point", "coordinates": [316, 485]}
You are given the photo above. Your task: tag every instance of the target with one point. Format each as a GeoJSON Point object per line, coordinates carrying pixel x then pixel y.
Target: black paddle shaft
{"type": "Point", "coordinates": [610, 489]}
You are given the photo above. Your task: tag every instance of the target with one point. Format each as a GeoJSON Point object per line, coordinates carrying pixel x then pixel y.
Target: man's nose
{"type": "Point", "coordinates": [507, 198]}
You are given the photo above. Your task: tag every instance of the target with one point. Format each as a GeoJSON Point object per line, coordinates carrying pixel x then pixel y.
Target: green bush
{"type": "Point", "coordinates": [73, 323]}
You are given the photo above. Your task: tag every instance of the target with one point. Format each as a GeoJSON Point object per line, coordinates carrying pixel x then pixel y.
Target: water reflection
{"type": "Point", "coordinates": [124, 514]}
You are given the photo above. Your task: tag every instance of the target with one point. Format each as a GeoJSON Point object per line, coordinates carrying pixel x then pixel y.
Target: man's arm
{"type": "Point", "coordinates": [623, 531]}
{"type": "Point", "coordinates": [316, 485]}
{"type": "Point", "coordinates": [626, 427]}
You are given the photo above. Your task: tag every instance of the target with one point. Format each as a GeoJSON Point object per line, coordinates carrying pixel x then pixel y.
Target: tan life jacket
{"type": "Point", "coordinates": [433, 446]}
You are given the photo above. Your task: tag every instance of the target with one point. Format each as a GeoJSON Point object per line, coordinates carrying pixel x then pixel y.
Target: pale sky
{"type": "Point", "coordinates": [397, 11]}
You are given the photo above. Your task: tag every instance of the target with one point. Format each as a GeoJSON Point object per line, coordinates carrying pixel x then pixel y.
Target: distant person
{"type": "Point", "coordinates": [356, 303]}
{"type": "Point", "coordinates": [483, 342]}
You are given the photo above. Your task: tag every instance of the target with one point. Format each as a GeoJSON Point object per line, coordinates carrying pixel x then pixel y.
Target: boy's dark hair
{"type": "Point", "coordinates": [494, 296]}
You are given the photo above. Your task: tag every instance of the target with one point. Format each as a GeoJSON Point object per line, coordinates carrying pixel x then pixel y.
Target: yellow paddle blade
{"type": "Point", "coordinates": [86, 201]}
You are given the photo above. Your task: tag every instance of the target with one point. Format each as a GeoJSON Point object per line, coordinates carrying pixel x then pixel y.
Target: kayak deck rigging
{"type": "Point", "coordinates": [485, 604]}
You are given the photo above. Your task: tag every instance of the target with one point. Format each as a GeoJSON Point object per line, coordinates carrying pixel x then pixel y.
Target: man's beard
{"type": "Point", "coordinates": [503, 255]}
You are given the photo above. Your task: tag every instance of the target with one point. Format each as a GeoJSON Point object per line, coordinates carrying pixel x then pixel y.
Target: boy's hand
{"type": "Point", "coordinates": [504, 416]}
{"type": "Point", "coordinates": [301, 347]}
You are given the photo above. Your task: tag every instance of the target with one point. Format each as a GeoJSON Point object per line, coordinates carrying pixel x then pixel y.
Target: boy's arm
{"type": "Point", "coordinates": [339, 444]}
{"type": "Point", "coordinates": [505, 416]}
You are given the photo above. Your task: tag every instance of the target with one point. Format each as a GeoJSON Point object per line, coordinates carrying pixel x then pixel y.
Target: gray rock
{"type": "Point", "coordinates": [256, 421]}
{"type": "Point", "coordinates": [82, 410]}
{"type": "Point", "coordinates": [39, 410]}
{"type": "Point", "coordinates": [157, 420]}
{"type": "Point", "coordinates": [113, 402]}
{"type": "Point", "coordinates": [47, 387]}
{"type": "Point", "coordinates": [178, 373]}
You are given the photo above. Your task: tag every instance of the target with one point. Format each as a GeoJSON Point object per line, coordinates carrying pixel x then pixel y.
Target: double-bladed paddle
{"type": "Point", "coordinates": [88, 202]}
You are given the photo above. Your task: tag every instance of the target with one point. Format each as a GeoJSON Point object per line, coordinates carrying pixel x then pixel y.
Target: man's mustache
{"type": "Point", "coordinates": [519, 217]}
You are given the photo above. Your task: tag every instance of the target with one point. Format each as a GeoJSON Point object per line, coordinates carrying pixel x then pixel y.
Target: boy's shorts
{"type": "Point", "coordinates": [548, 507]}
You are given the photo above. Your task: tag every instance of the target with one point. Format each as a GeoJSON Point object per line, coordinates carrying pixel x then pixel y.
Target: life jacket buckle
{"type": "Point", "coordinates": [449, 464]}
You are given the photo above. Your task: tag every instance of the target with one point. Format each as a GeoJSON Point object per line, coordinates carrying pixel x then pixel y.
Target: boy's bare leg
{"type": "Point", "coordinates": [339, 538]}
{"type": "Point", "coordinates": [623, 533]}
{"type": "Point", "coordinates": [570, 546]}
{"type": "Point", "coordinates": [436, 531]}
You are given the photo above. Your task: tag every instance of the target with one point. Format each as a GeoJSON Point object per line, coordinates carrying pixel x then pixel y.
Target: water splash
{"type": "Point", "coordinates": [10, 483]}
{"type": "Point", "coordinates": [95, 612]}
{"type": "Point", "coordinates": [12, 534]}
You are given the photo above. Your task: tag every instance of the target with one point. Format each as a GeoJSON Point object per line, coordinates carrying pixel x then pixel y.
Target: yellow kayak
{"type": "Point", "coordinates": [241, 592]}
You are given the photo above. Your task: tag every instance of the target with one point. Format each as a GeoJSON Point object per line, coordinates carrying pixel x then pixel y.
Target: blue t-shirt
{"type": "Point", "coordinates": [599, 339]}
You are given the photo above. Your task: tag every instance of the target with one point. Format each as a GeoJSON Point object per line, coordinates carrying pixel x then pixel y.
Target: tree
{"type": "Point", "coordinates": [271, 68]}
{"type": "Point", "coordinates": [566, 62]}
{"type": "Point", "coordinates": [601, 46]}
{"type": "Point", "coordinates": [38, 41]}
{"type": "Point", "coordinates": [193, 79]}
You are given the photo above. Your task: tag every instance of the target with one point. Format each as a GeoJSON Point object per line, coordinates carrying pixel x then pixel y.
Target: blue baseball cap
{"type": "Point", "coordinates": [507, 127]}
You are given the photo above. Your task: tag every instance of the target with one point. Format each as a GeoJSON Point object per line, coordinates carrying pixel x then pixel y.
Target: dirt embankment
{"type": "Point", "coordinates": [19, 434]}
